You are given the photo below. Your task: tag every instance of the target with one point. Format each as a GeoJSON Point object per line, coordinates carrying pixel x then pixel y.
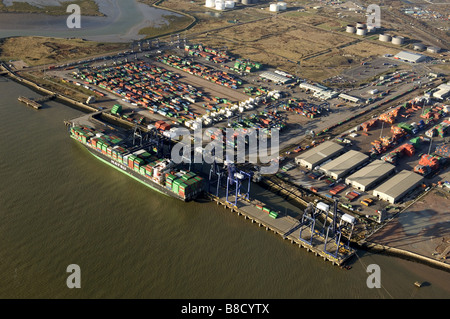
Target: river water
{"type": "Point", "coordinates": [60, 206]}
{"type": "Point", "coordinates": [123, 20]}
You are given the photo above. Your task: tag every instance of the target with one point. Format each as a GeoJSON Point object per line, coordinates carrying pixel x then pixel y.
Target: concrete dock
{"type": "Point", "coordinates": [30, 102]}
{"type": "Point", "coordinates": [36, 103]}
{"type": "Point", "coordinates": [288, 228]}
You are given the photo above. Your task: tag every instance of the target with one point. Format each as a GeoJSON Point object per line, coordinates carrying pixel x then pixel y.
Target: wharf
{"type": "Point", "coordinates": [30, 102]}
{"type": "Point", "coordinates": [289, 228]}
{"type": "Point", "coordinates": [36, 103]}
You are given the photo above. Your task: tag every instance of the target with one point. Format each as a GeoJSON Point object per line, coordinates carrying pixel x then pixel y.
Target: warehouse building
{"type": "Point", "coordinates": [319, 154]}
{"type": "Point", "coordinates": [410, 57]}
{"type": "Point", "coordinates": [275, 77]}
{"type": "Point", "coordinates": [370, 175]}
{"type": "Point", "coordinates": [398, 186]}
{"type": "Point", "coordinates": [442, 91]}
{"type": "Point", "coordinates": [311, 87]}
{"type": "Point", "coordinates": [344, 164]}
{"type": "Point", "coordinates": [326, 95]}
{"type": "Point", "coordinates": [350, 98]}
{"type": "Point", "coordinates": [433, 49]}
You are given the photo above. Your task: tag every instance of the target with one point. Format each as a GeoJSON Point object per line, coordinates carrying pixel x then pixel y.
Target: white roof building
{"type": "Point", "coordinates": [311, 87]}
{"type": "Point", "coordinates": [350, 98]}
{"type": "Point", "coordinates": [442, 92]}
{"type": "Point", "coordinates": [410, 57]}
{"type": "Point", "coordinates": [398, 186]}
{"type": "Point", "coordinates": [319, 154]}
{"type": "Point", "coordinates": [370, 175]}
{"type": "Point", "coordinates": [275, 77]}
{"type": "Point", "coordinates": [344, 164]}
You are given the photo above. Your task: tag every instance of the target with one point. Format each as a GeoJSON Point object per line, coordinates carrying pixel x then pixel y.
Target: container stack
{"type": "Point", "coordinates": [82, 134]}
{"type": "Point", "coordinates": [389, 117]}
{"type": "Point", "coordinates": [299, 107]}
{"type": "Point", "coordinates": [147, 85]}
{"type": "Point", "coordinates": [187, 186]}
{"type": "Point", "coordinates": [267, 210]}
{"type": "Point", "coordinates": [443, 128]}
{"type": "Point", "coordinates": [209, 54]}
{"type": "Point", "coordinates": [162, 126]}
{"type": "Point", "coordinates": [117, 109]}
{"type": "Point", "coordinates": [366, 126]}
{"type": "Point", "coordinates": [443, 150]}
{"type": "Point", "coordinates": [391, 157]}
{"type": "Point", "coordinates": [247, 66]}
{"type": "Point", "coordinates": [215, 76]}
{"type": "Point", "coordinates": [416, 141]}
{"type": "Point", "coordinates": [427, 164]}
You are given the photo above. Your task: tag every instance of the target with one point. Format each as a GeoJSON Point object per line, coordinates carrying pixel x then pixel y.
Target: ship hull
{"type": "Point", "coordinates": [133, 174]}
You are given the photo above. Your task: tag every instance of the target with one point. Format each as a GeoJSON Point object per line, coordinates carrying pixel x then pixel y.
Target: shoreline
{"type": "Point", "coordinates": [36, 7]}
{"type": "Point", "coordinates": [366, 245]}
{"type": "Point", "coordinates": [119, 22]}
{"type": "Point", "coordinates": [403, 254]}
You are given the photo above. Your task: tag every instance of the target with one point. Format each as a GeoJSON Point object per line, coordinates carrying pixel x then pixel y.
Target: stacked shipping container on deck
{"type": "Point", "coordinates": [187, 185]}
{"type": "Point", "coordinates": [267, 210]}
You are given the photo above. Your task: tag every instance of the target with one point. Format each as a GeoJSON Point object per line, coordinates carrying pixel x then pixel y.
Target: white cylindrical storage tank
{"type": "Point", "coordinates": [220, 5]}
{"type": "Point", "coordinates": [210, 3]}
{"type": "Point", "coordinates": [360, 25]}
{"type": "Point", "coordinates": [384, 37]}
{"type": "Point", "coordinates": [419, 47]}
{"type": "Point", "coordinates": [350, 29]}
{"type": "Point", "coordinates": [397, 40]}
{"type": "Point", "coordinates": [229, 4]}
{"type": "Point", "coordinates": [433, 49]}
{"type": "Point", "coordinates": [282, 6]}
{"type": "Point", "coordinates": [274, 7]}
{"type": "Point", "coordinates": [361, 31]}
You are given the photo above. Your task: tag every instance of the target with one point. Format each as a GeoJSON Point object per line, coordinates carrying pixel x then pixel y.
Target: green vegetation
{"type": "Point", "coordinates": [88, 8]}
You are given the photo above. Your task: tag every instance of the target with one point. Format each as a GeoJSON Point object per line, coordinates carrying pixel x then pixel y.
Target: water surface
{"type": "Point", "coordinates": [59, 206]}
{"type": "Point", "coordinates": [122, 23]}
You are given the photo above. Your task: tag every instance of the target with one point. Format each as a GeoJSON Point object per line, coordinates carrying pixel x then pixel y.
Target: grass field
{"type": "Point", "coordinates": [88, 7]}
{"type": "Point", "coordinates": [42, 50]}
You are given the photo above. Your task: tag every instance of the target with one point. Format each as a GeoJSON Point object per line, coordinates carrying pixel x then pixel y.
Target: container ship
{"type": "Point", "coordinates": [160, 174]}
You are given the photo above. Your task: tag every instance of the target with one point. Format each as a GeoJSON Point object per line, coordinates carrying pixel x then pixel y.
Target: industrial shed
{"type": "Point", "coordinates": [319, 154]}
{"type": "Point", "coordinates": [370, 175]}
{"type": "Point", "coordinates": [410, 57]}
{"type": "Point", "coordinates": [311, 87]}
{"type": "Point", "coordinates": [398, 186]}
{"type": "Point", "coordinates": [344, 164]}
{"type": "Point", "coordinates": [350, 98]}
{"type": "Point", "coordinates": [443, 91]}
{"type": "Point", "coordinates": [275, 77]}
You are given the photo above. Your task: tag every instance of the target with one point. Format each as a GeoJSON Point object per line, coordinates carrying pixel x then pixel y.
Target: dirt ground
{"type": "Point", "coordinates": [43, 50]}
{"type": "Point", "coordinates": [424, 228]}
